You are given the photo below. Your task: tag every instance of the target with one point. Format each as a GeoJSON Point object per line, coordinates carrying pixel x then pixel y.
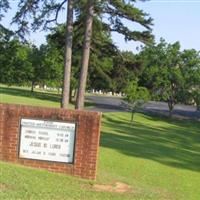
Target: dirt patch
{"type": "Point", "coordinates": [163, 194]}
{"type": "Point", "coordinates": [3, 187]}
{"type": "Point", "coordinates": [117, 187]}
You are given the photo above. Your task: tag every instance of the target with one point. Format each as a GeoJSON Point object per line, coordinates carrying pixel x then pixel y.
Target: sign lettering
{"type": "Point", "coordinates": [47, 140]}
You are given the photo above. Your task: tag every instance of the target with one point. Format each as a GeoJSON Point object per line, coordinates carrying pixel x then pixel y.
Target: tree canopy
{"type": "Point", "coordinates": [33, 15]}
{"type": "Point", "coordinates": [170, 75]}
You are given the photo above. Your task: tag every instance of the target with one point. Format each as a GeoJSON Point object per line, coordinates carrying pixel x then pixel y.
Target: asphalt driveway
{"type": "Point", "coordinates": [115, 104]}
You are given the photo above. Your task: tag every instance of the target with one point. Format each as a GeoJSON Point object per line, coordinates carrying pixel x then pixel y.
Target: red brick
{"type": "Point", "coordinates": [87, 138]}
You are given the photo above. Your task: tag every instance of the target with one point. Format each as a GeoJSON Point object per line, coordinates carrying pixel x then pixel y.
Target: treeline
{"type": "Point", "coordinates": [171, 75]}
{"type": "Point", "coordinates": [111, 16]}
{"type": "Point", "coordinates": [168, 73]}
{"type": "Point", "coordinates": [26, 64]}
{"type": "Point", "coordinates": [163, 70]}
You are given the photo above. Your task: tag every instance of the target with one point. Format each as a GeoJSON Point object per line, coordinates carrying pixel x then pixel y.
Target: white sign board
{"type": "Point", "coordinates": [47, 140]}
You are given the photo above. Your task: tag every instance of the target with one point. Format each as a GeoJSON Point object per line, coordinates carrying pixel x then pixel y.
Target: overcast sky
{"type": "Point", "coordinates": [174, 20]}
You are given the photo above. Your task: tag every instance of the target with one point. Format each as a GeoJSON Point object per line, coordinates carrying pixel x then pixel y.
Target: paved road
{"type": "Point", "coordinates": [115, 104]}
{"type": "Point", "coordinates": [106, 103]}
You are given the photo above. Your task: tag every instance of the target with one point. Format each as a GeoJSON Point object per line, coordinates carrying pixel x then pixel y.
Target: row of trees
{"type": "Point", "coordinates": [28, 64]}
{"type": "Point", "coordinates": [109, 69]}
{"type": "Point", "coordinates": [168, 73]}
{"type": "Point", "coordinates": [36, 14]}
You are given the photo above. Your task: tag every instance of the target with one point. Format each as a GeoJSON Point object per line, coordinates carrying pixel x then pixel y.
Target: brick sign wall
{"type": "Point", "coordinates": [85, 141]}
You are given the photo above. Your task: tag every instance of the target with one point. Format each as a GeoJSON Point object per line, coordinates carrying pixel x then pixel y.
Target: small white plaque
{"type": "Point", "coordinates": [47, 140]}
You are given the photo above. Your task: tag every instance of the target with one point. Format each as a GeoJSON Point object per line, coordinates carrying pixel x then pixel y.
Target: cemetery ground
{"type": "Point", "coordinates": [154, 158]}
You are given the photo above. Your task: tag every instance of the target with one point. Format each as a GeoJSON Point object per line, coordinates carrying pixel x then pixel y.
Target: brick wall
{"type": "Point", "coordinates": [86, 143]}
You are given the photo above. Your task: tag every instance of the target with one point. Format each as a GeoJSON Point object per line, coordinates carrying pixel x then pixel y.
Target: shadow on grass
{"type": "Point", "coordinates": [27, 93]}
{"type": "Point", "coordinates": [176, 145]}
{"type": "Point", "coordinates": [37, 95]}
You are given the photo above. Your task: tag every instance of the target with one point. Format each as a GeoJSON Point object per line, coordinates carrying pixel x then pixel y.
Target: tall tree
{"type": "Point", "coordinates": [36, 14]}
{"type": "Point", "coordinates": [117, 11]}
{"type": "Point", "coordinates": [85, 56]}
{"type": "Point", "coordinates": [68, 56]}
{"type": "Point", "coordinates": [103, 52]}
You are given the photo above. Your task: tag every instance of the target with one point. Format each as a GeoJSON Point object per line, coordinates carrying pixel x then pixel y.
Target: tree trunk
{"type": "Point", "coordinates": [68, 56]}
{"type": "Point", "coordinates": [85, 56]}
{"type": "Point", "coordinates": [171, 107]}
{"type": "Point", "coordinates": [132, 114]}
{"type": "Point", "coordinates": [32, 86]}
{"type": "Point", "coordinates": [70, 95]}
{"type": "Point", "coordinates": [75, 93]}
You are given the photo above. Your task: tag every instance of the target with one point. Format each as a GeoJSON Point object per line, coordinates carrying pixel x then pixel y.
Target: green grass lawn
{"type": "Point", "coordinates": [158, 158]}
{"type": "Point", "coordinates": [23, 95]}
{"type": "Point", "coordinates": [19, 95]}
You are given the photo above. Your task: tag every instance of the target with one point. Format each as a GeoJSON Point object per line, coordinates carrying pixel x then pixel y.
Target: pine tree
{"type": "Point", "coordinates": [115, 11]}
{"type": "Point", "coordinates": [68, 56]}
{"type": "Point", "coordinates": [37, 14]}
{"type": "Point", "coordinates": [85, 56]}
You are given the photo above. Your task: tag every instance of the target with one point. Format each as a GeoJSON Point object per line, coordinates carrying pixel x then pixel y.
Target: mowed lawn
{"type": "Point", "coordinates": [23, 95]}
{"type": "Point", "coordinates": [155, 158]}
